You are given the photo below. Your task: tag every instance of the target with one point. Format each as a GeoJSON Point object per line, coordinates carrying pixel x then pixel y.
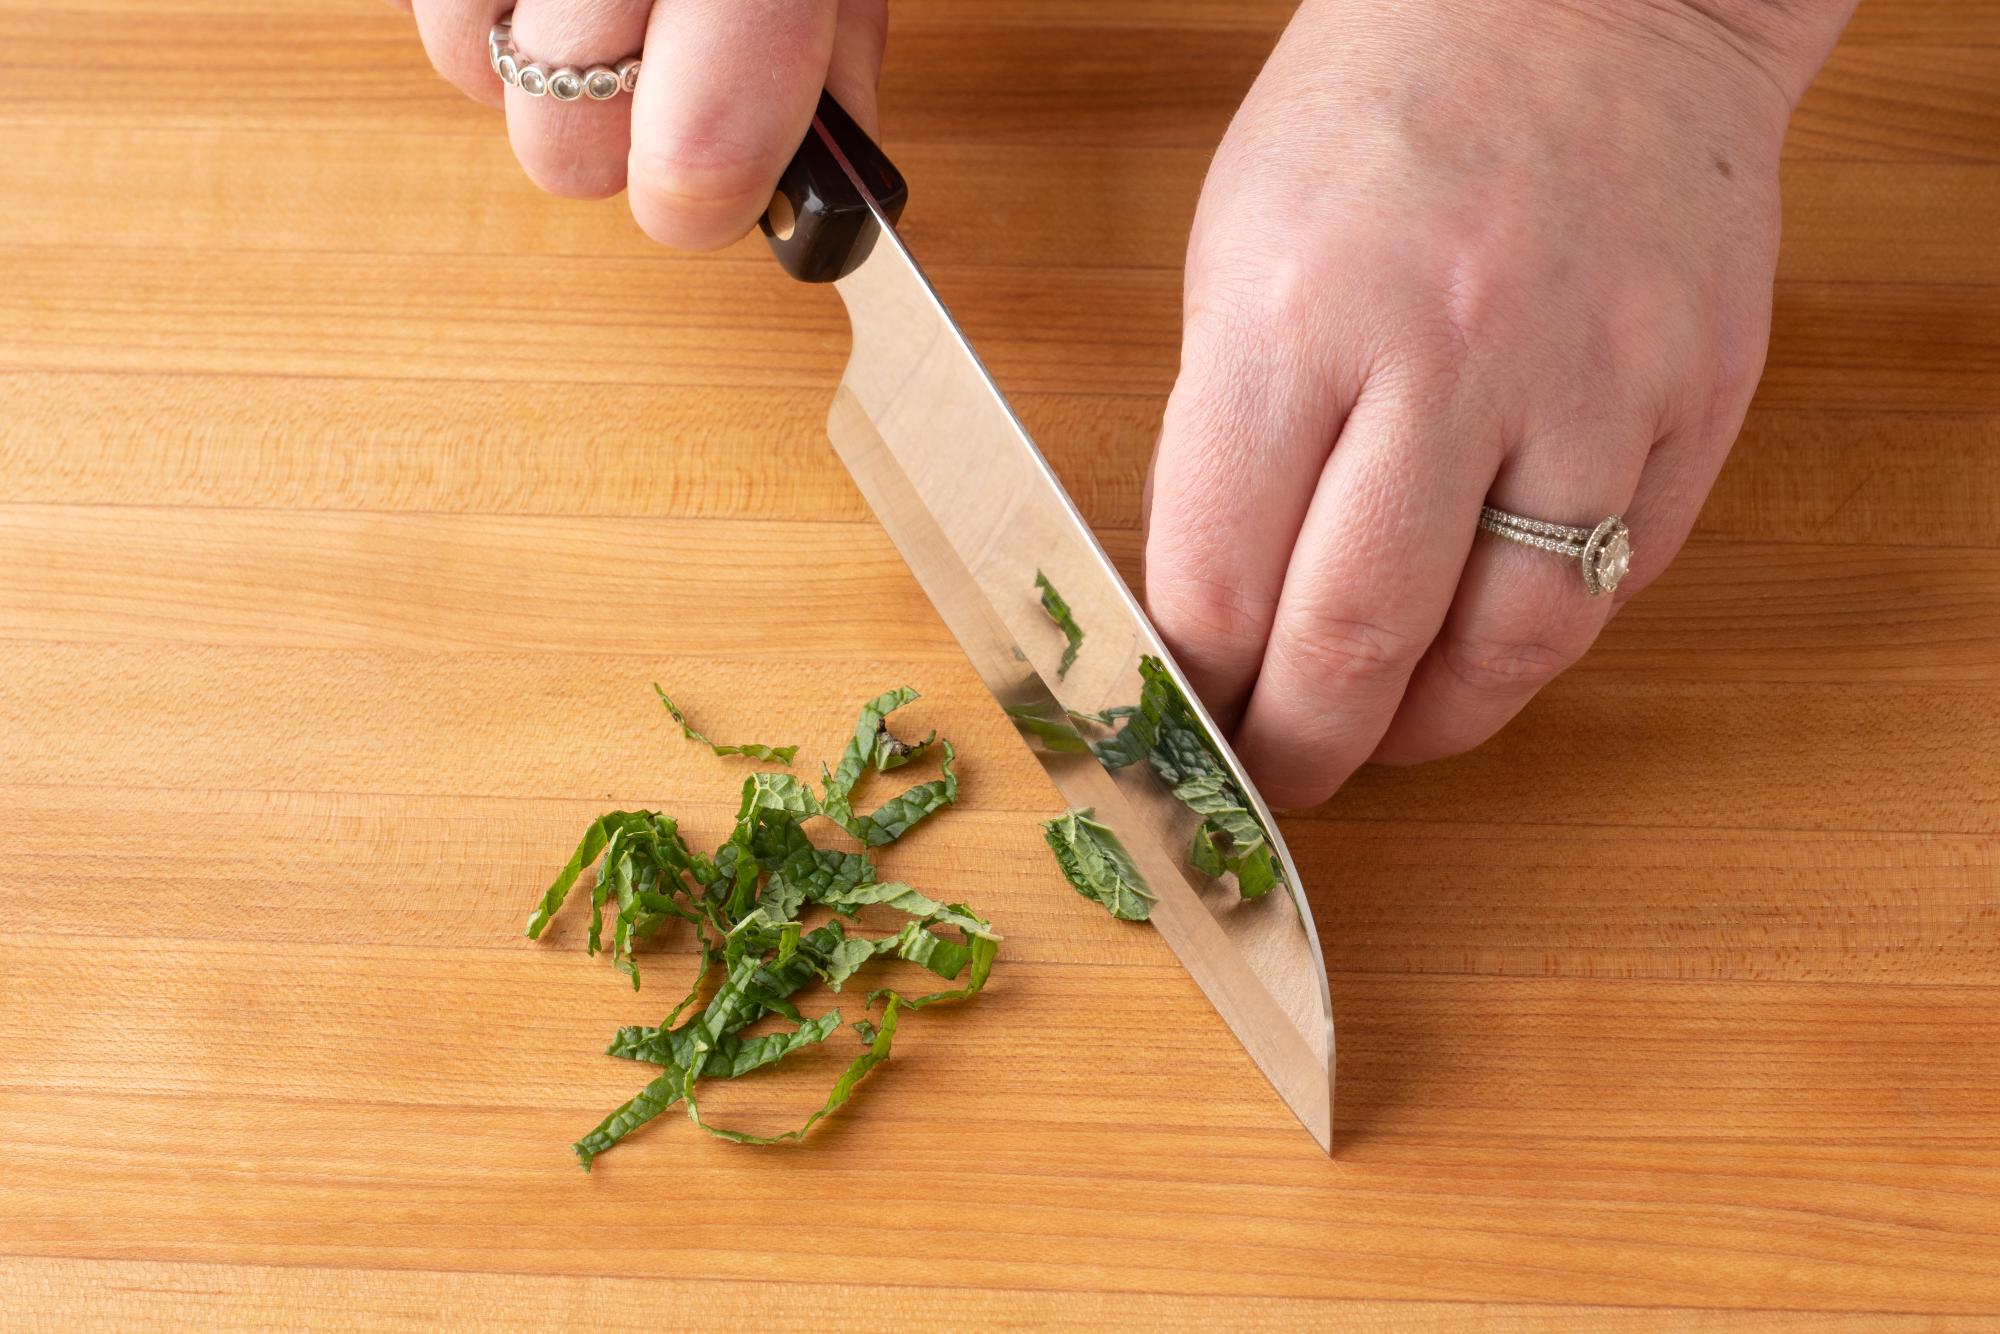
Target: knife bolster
{"type": "Point", "coordinates": [821, 223]}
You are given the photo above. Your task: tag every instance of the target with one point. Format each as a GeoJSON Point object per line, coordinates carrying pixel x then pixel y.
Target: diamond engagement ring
{"type": "Point", "coordinates": [566, 83]}
{"type": "Point", "coordinates": [1604, 553]}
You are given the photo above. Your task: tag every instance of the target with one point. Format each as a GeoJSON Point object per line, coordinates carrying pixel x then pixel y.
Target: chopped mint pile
{"type": "Point", "coordinates": [746, 905]}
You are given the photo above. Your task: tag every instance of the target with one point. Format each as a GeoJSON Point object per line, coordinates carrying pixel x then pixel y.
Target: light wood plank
{"type": "Point", "coordinates": [1874, 347]}
{"type": "Point", "coordinates": [1782, 756]}
{"type": "Point", "coordinates": [462, 318]}
{"type": "Point", "coordinates": [144, 438]}
{"type": "Point", "coordinates": [519, 447]}
{"type": "Point", "coordinates": [398, 190]}
{"type": "Point", "coordinates": [441, 583]}
{"type": "Point", "coordinates": [1392, 896]}
{"type": "Point", "coordinates": [1860, 478]}
{"type": "Point", "coordinates": [140, 1294]}
{"type": "Point", "coordinates": [1468, 1102]}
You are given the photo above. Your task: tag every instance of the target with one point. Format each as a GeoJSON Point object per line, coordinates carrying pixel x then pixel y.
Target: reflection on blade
{"type": "Point", "coordinates": [1163, 730]}
{"type": "Point", "coordinates": [1056, 635]}
{"type": "Point", "coordinates": [1094, 861]}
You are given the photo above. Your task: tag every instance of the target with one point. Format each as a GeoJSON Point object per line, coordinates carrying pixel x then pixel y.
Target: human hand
{"type": "Point", "coordinates": [699, 157]}
{"type": "Point", "coordinates": [1469, 249]}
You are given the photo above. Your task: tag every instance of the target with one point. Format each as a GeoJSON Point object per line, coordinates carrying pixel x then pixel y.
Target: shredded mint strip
{"type": "Point", "coordinates": [752, 750]}
{"type": "Point", "coordinates": [1059, 612]}
{"type": "Point", "coordinates": [745, 906]}
{"type": "Point", "coordinates": [878, 1039]}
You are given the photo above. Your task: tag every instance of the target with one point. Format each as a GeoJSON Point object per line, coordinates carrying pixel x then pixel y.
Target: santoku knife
{"type": "Point", "coordinates": [978, 515]}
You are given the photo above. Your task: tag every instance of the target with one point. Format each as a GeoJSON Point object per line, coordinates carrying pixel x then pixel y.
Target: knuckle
{"type": "Point", "coordinates": [1263, 375]}
{"type": "Point", "coordinates": [1431, 359]}
{"type": "Point", "coordinates": [1222, 617]}
{"type": "Point", "coordinates": [1472, 299]}
{"type": "Point", "coordinates": [1346, 651]}
{"type": "Point", "coordinates": [697, 193]}
{"type": "Point", "coordinates": [1502, 665]}
{"type": "Point", "coordinates": [1244, 310]}
{"type": "Point", "coordinates": [1214, 429]}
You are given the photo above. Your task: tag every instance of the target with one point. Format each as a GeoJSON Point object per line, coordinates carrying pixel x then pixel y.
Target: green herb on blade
{"type": "Point", "coordinates": [1162, 729]}
{"type": "Point", "coordinates": [1097, 866]}
{"type": "Point", "coordinates": [1059, 612]}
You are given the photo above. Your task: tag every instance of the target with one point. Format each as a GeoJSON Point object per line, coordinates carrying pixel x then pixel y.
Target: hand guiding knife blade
{"type": "Point", "coordinates": [979, 517]}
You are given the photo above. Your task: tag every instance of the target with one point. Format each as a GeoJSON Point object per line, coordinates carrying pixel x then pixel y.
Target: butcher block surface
{"type": "Point", "coordinates": [353, 494]}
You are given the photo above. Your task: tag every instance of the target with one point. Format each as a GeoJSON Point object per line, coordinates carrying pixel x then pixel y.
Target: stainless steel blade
{"type": "Point", "coordinates": [977, 513]}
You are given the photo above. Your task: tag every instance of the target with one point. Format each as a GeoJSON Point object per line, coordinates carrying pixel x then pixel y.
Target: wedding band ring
{"type": "Point", "coordinates": [565, 83]}
{"type": "Point", "coordinates": [1603, 553]}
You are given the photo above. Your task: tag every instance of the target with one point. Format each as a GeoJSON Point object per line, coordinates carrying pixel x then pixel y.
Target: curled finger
{"type": "Point", "coordinates": [569, 92]}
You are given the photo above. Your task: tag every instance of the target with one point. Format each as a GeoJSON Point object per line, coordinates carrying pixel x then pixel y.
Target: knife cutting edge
{"type": "Point", "coordinates": [978, 515]}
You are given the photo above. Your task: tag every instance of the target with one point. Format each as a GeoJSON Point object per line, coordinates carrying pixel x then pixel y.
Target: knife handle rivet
{"type": "Point", "coordinates": [783, 220]}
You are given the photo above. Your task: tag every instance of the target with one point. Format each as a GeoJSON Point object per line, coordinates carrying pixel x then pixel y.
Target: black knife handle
{"type": "Point", "coordinates": [818, 220]}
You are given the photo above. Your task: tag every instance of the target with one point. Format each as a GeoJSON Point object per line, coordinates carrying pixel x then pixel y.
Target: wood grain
{"type": "Point", "coordinates": [144, 1293]}
{"type": "Point", "coordinates": [351, 495]}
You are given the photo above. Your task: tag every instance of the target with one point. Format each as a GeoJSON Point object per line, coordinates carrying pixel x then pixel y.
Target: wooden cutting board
{"type": "Point", "coordinates": [352, 494]}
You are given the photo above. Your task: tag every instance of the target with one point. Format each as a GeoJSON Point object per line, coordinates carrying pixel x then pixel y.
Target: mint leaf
{"type": "Point", "coordinates": [866, 746]}
{"type": "Point", "coordinates": [873, 745]}
{"type": "Point", "coordinates": [1060, 737]}
{"type": "Point", "coordinates": [1141, 731]}
{"type": "Point", "coordinates": [641, 861]}
{"type": "Point", "coordinates": [980, 952]}
{"type": "Point", "coordinates": [1231, 838]}
{"type": "Point", "coordinates": [586, 853]}
{"type": "Point", "coordinates": [727, 1058]}
{"type": "Point", "coordinates": [1097, 866]}
{"type": "Point", "coordinates": [906, 900]}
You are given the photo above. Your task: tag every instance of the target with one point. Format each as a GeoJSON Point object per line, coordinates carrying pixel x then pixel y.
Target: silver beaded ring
{"type": "Point", "coordinates": [566, 83]}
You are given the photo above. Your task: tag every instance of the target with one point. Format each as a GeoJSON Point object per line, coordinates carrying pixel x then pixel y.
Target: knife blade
{"type": "Point", "coordinates": [980, 517]}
